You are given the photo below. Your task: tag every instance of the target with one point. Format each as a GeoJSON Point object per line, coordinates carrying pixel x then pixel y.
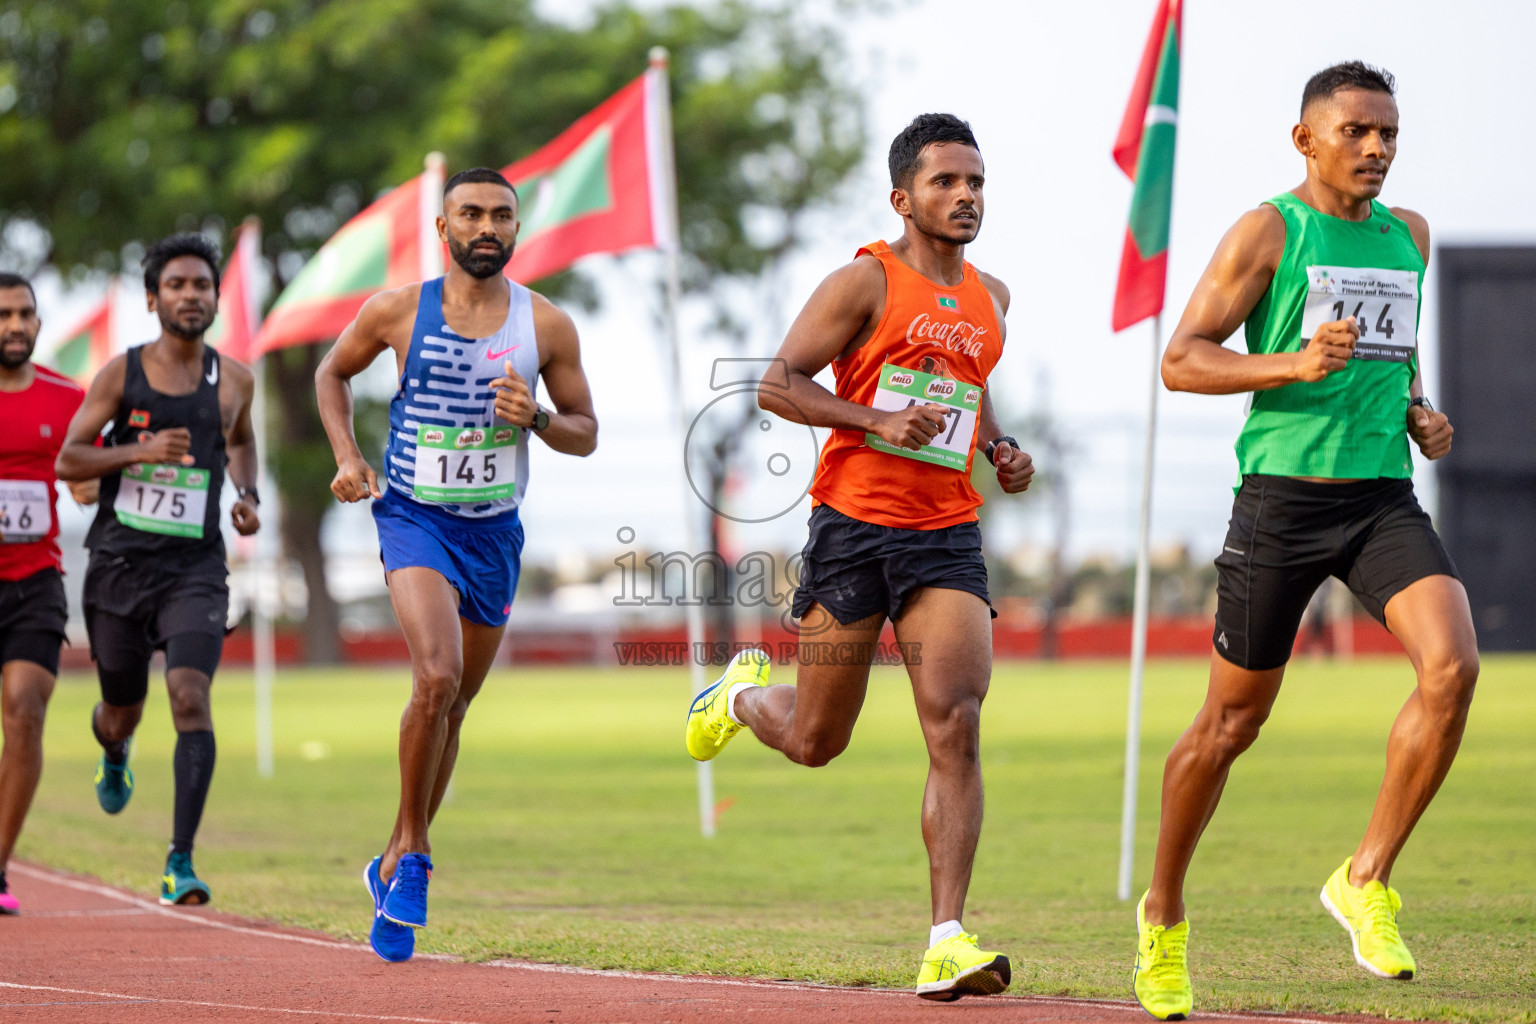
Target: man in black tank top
{"type": "Point", "coordinates": [171, 416]}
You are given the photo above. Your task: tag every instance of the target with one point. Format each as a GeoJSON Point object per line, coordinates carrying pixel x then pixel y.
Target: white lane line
{"type": "Point", "coordinates": [1127, 1005]}
{"type": "Point", "coordinates": [126, 998]}
{"type": "Point", "coordinates": [125, 912]}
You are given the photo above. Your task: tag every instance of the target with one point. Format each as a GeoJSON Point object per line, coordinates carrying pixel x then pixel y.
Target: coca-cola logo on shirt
{"type": "Point", "coordinates": [963, 337]}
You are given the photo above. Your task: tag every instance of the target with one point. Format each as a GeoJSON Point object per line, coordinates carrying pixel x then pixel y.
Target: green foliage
{"type": "Point", "coordinates": [123, 120]}
{"type": "Point", "coordinates": [131, 118]}
{"type": "Point", "coordinates": [571, 833]}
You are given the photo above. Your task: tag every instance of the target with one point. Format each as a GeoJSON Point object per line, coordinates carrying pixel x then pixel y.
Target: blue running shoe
{"type": "Point", "coordinates": [114, 784]}
{"type": "Point", "coordinates": [180, 883]}
{"type": "Point", "coordinates": [406, 900]}
{"type": "Point", "coordinates": [392, 942]}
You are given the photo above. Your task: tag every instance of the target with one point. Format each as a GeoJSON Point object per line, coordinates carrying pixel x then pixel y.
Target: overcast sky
{"type": "Point", "coordinates": [1044, 85]}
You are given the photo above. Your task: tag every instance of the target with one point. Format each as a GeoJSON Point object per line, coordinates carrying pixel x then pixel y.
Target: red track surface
{"type": "Point", "coordinates": [84, 952]}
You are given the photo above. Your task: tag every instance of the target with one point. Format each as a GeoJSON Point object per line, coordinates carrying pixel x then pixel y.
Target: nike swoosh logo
{"type": "Point", "coordinates": [498, 355]}
{"type": "Point", "coordinates": [213, 374]}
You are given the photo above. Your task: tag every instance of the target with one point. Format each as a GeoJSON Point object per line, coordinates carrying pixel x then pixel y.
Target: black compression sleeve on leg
{"type": "Point", "coordinates": [193, 765]}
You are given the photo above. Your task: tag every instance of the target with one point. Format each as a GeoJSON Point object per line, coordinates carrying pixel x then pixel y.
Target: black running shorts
{"type": "Point", "coordinates": [854, 569]}
{"type": "Point", "coordinates": [33, 613]}
{"type": "Point", "coordinates": [132, 610]}
{"type": "Point", "coordinates": [1287, 536]}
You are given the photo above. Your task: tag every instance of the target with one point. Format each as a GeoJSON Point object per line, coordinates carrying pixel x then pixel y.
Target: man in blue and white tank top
{"type": "Point", "coordinates": [471, 348]}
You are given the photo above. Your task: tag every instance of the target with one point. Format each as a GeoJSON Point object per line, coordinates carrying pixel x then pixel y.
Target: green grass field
{"type": "Point", "coordinates": [571, 833]}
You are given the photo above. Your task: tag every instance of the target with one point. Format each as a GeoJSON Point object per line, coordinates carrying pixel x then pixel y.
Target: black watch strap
{"type": "Point", "coordinates": [540, 418]}
{"type": "Point", "coordinates": [249, 492]}
{"type": "Point", "coordinates": [1421, 400]}
{"type": "Point", "coordinates": [992, 446]}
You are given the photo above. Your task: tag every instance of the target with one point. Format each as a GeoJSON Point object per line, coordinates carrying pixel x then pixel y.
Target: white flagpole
{"type": "Point", "coordinates": [434, 173]}
{"type": "Point", "coordinates": [263, 639]}
{"type": "Point", "coordinates": [664, 217]}
{"type": "Point", "coordinates": [1139, 629]}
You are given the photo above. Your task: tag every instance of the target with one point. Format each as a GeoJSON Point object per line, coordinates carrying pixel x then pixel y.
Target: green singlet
{"type": "Point", "coordinates": [1351, 424]}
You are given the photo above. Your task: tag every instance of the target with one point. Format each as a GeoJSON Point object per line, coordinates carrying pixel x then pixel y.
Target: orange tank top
{"type": "Point", "coordinates": [933, 344]}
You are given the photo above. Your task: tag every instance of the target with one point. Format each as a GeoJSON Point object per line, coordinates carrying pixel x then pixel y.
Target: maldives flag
{"type": "Point", "coordinates": [1144, 151]}
{"type": "Point", "coordinates": [602, 185]}
{"type": "Point", "coordinates": [86, 349]}
{"type": "Point", "coordinates": [379, 248]}
{"type": "Point", "coordinates": [234, 330]}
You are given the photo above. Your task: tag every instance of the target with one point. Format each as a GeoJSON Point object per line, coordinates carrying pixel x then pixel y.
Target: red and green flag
{"type": "Point", "coordinates": [602, 185]}
{"type": "Point", "coordinates": [86, 348]}
{"type": "Point", "coordinates": [379, 248]}
{"type": "Point", "coordinates": [234, 330]}
{"type": "Point", "coordinates": [1144, 151]}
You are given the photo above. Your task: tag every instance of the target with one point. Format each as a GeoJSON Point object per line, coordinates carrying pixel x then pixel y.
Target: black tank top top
{"type": "Point", "coordinates": [168, 514]}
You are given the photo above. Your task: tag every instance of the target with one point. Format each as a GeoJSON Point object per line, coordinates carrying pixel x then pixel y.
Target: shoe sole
{"type": "Point", "coordinates": [986, 979]}
{"type": "Point", "coordinates": [195, 898]}
{"type": "Point", "coordinates": [1354, 942]}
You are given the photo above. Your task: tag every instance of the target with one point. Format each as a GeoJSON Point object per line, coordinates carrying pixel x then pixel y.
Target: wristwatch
{"type": "Point", "coordinates": [540, 418]}
{"type": "Point", "coordinates": [1421, 400]}
{"type": "Point", "coordinates": [992, 446]}
{"type": "Point", "coordinates": [249, 492]}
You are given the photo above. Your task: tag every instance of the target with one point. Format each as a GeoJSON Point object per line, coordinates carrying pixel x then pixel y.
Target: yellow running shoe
{"type": "Point", "coordinates": [955, 968]}
{"type": "Point", "coordinates": [709, 728]}
{"type": "Point", "coordinates": [1370, 917]}
{"type": "Point", "coordinates": [1161, 977]}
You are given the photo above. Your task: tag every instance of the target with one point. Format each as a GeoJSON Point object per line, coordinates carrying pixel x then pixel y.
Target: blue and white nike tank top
{"type": "Point", "coordinates": [446, 447]}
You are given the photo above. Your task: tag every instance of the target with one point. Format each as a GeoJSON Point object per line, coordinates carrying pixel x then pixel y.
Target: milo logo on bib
{"type": "Point", "coordinates": [903, 388]}
{"type": "Point", "coordinates": [468, 438]}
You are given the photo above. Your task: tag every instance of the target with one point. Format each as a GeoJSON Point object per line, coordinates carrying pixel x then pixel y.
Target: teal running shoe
{"type": "Point", "coordinates": [180, 883]}
{"type": "Point", "coordinates": [114, 784]}
{"type": "Point", "coordinates": [394, 943]}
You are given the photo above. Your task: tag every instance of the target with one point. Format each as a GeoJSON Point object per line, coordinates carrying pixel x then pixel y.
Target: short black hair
{"type": "Point", "coordinates": [10, 280]}
{"type": "Point", "coordinates": [925, 130]}
{"type": "Point", "coordinates": [187, 244]}
{"type": "Point", "coordinates": [478, 176]}
{"type": "Point", "coordinates": [1350, 74]}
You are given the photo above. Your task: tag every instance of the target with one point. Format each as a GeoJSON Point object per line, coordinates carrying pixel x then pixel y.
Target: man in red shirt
{"type": "Point", "coordinates": [36, 405]}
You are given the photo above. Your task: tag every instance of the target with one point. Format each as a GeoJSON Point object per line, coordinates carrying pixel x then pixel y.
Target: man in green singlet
{"type": "Point", "coordinates": [1326, 282]}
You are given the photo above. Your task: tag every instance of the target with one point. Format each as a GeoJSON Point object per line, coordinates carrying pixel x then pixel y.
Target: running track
{"type": "Point", "coordinates": [84, 952]}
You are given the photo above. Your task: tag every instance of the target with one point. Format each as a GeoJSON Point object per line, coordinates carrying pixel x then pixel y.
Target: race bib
{"type": "Point", "coordinates": [1385, 303]}
{"type": "Point", "coordinates": [901, 388]}
{"type": "Point", "coordinates": [26, 514]}
{"type": "Point", "coordinates": [163, 499]}
{"type": "Point", "coordinates": [466, 464]}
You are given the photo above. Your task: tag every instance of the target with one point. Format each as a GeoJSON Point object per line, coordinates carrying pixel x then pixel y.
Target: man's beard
{"type": "Point", "coordinates": [10, 362]}
{"type": "Point", "coordinates": [175, 325]}
{"type": "Point", "coordinates": [479, 264]}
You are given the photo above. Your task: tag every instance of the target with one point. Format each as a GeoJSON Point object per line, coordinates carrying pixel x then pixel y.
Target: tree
{"type": "Point", "coordinates": [122, 120]}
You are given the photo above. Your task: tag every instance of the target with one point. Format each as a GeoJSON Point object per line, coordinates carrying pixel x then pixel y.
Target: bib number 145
{"type": "Point", "coordinates": [466, 464]}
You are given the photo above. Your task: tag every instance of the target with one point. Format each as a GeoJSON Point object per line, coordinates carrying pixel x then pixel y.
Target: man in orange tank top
{"type": "Point", "coordinates": [912, 332]}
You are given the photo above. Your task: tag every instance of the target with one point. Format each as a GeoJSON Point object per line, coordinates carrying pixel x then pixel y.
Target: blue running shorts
{"type": "Point", "coordinates": [481, 558]}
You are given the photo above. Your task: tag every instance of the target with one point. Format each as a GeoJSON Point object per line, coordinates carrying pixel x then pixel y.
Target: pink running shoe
{"type": "Point", "coordinates": [8, 904]}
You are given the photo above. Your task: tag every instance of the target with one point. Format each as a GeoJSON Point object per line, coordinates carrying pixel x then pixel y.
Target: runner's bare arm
{"type": "Point", "coordinates": [1015, 468]}
{"type": "Point", "coordinates": [572, 426]}
{"type": "Point", "coordinates": [1431, 431]}
{"type": "Point", "coordinates": [1237, 277]}
{"type": "Point", "coordinates": [241, 447]}
{"type": "Point", "coordinates": [378, 327]}
{"type": "Point", "coordinates": [840, 316]}
{"type": "Point", "coordinates": [80, 458]}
